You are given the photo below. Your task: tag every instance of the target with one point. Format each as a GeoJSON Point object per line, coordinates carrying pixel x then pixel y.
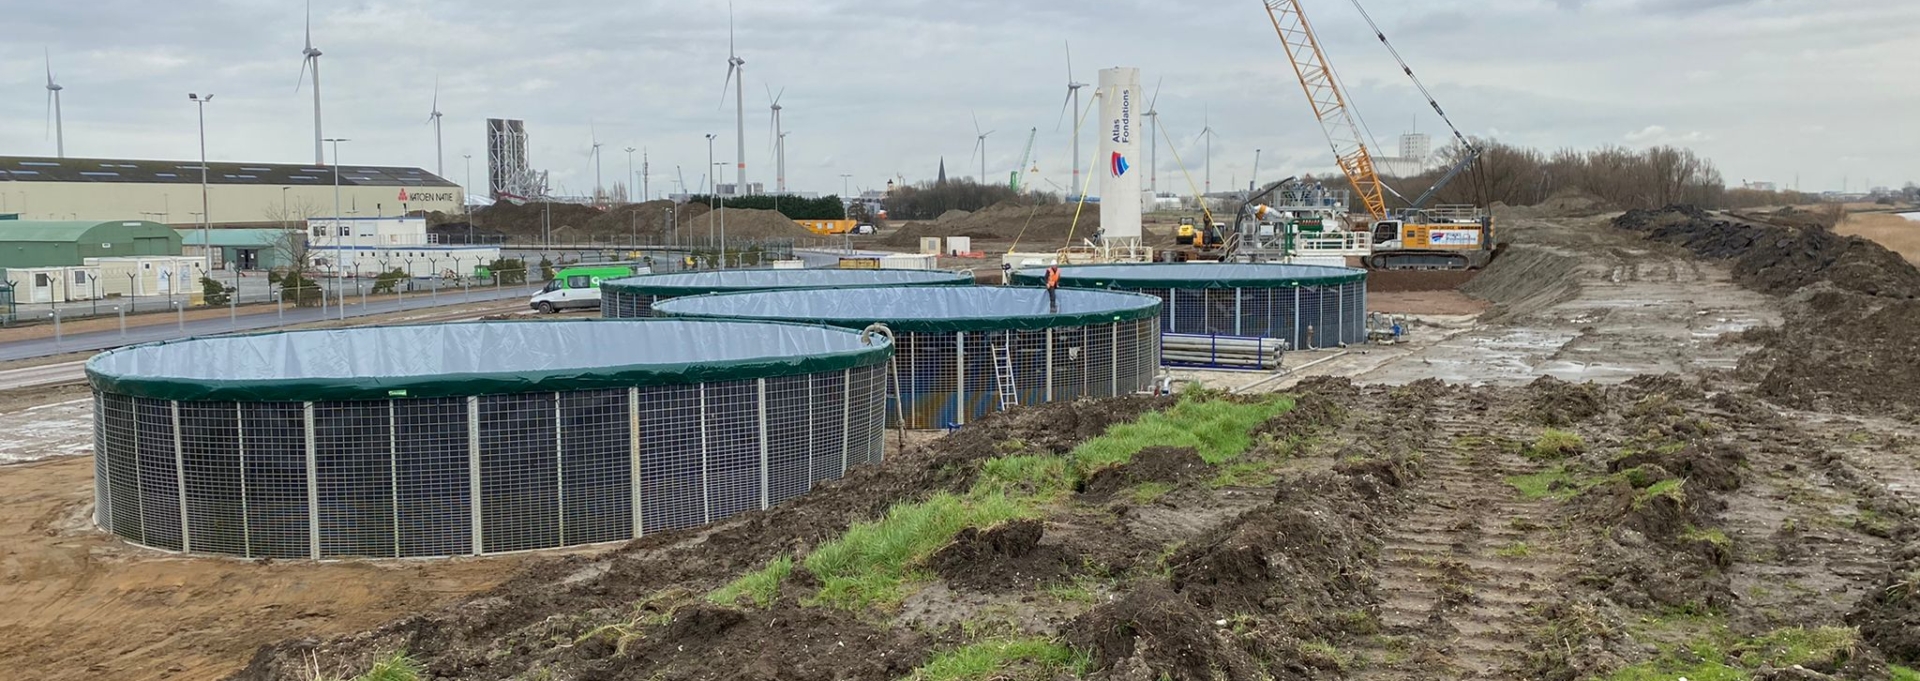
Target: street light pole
{"type": "Point", "coordinates": [710, 192]}
{"type": "Point", "coordinates": [206, 223]}
{"type": "Point", "coordinates": [339, 245]}
{"type": "Point", "coordinates": [844, 177]}
{"type": "Point", "coordinates": [468, 189]}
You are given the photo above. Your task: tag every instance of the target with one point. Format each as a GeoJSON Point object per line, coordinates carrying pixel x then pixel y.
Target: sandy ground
{"type": "Point", "coordinates": [1894, 232]}
{"type": "Point", "coordinates": [83, 606]}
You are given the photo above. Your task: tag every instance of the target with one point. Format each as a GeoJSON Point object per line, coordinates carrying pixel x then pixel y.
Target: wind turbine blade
{"type": "Point", "coordinates": [730, 53]}
{"type": "Point", "coordinates": [724, 84]}
{"type": "Point", "coordinates": [303, 74]}
{"type": "Point", "coordinates": [1153, 104]}
{"type": "Point", "coordinates": [777, 96]}
{"type": "Point", "coordinates": [770, 98]}
{"type": "Point", "coordinates": [49, 132]}
{"type": "Point", "coordinates": [1069, 61]}
{"type": "Point", "coordinates": [1064, 103]}
{"type": "Point", "coordinates": [49, 56]}
{"type": "Point", "coordinates": [976, 123]}
{"type": "Point", "coordinates": [309, 24]}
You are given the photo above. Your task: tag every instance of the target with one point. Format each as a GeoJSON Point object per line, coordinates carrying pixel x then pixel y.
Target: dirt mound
{"type": "Point", "coordinates": [1170, 465]}
{"type": "Point", "coordinates": [1559, 404]}
{"type": "Point", "coordinates": [1847, 352]}
{"type": "Point", "coordinates": [1890, 617]}
{"type": "Point", "coordinates": [1041, 226]}
{"type": "Point", "coordinates": [1284, 555]}
{"type": "Point", "coordinates": [1005, 557]}
{"type": "Point", "coordinates": [1524, 280]}
{"type": "Point", "coordinates": [528, 220]}
{"type": "Point", "coordinates": [1781, 259]}
{"type": "Point", "coordinates": [1153, 633]}
{"type": "Point", "coordinates": [1313, 412]}
{"type": "Point", "coordinates": [952, 215]}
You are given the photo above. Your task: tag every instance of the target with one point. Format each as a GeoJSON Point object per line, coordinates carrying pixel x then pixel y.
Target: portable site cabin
{"type": "Point", "coordinates": [143, 276]}
{"type": "Point", "coordinates": [41, 285]}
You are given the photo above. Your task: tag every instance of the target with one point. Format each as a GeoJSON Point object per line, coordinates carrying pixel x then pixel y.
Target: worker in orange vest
{"type": "Point", "coordinates": [1053, 286]}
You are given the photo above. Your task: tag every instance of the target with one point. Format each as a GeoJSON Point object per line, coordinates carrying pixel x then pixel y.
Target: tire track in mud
{"type": "Point", "coordinates": [1462, 568]}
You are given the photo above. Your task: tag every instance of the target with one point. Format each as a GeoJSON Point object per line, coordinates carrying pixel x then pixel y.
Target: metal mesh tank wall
{"type": "Point", "coordinates": [315, 447]}
{"type": "Point", "coordinates": [1309, 306]}
{"type": "Point", "coordinates": [634, 297]}
{"type": "Point", "coordinates": [954, 345]}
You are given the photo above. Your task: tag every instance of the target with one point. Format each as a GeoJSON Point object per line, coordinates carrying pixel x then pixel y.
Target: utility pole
{"type": "Point", "coordinates": [339, 231]}
{"type": "Point", "coordinates": [467, 188]}
{"type": "Point", "coordinates": [646, 174]}
{"type": "Point", "coordinates": [710, 191]}
{"type": "Point", "coordinates": [206, 223]}
{"type": "Point", "coordinates": [843, 183]}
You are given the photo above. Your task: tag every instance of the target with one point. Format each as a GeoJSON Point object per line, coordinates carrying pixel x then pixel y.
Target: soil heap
{"type": "Point", "coordinates": [1043, 226]}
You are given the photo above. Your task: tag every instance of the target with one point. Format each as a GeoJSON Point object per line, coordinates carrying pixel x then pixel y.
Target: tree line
{"type": "Point", "coordinates": [794, 207]}
{"type": "Point", "coordinates": [1618, 177]}
{"type": "Point", "coordinates": [928, 200]}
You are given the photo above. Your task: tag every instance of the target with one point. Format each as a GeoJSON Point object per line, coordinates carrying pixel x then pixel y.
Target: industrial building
{"type": "Point", "coordinates": [1309, 306]}
{"type": "Point", "coordinates": [55, 243]}
{"type": "Point", "coordinates": [962, 353]}
{"type": "Point", "coordinates": [168, 192]}
{"type": "Point", "coordinates": [369, 246]}
{"type": "Point", "coordinates": [458, 439]}
{"type": "Point", "coordinates": [250, 249]}
{"type": "Point", "coordinates": [634, 296]}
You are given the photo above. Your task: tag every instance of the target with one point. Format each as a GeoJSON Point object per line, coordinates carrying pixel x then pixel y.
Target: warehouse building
{"type": "Point", "coordinates": [248, 249]}
{"type": "Point", "coordinates": [63, 243]}
{"type": "Point", "coordinates": [43, 188]}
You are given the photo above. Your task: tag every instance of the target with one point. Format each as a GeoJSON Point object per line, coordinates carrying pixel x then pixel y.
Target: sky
{"type": "Point", "coordinates": [1810, 93]}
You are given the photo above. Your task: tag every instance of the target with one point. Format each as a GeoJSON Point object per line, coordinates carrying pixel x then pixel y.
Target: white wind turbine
{"type": "Point", "coordinates": [1153, 116]}
{"type": "Point", "coordinates": [1073, 98]}
{"type": "Point", "coordinates": [1207, 133]}
{"type": "Point", "coordinates": [779, 141]}
{"type": "Point", "coordinates": [736, 72]}
{"type": "Point", "coordinates": [594, 135]}
{"type": "Point", "coordinates": [439, 159]}
{"type": "Point", "coordinates": [980, 146]}
{"type": "Point", "coordinates": [53, 110]}
{"type": "Point", "coordinates": [311, 61]}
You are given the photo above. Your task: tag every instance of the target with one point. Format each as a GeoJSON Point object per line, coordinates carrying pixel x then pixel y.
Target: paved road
{"type": "Point", "coordinates": [253, 321]}
{"type": "Point", "coordinates": [45, 374]}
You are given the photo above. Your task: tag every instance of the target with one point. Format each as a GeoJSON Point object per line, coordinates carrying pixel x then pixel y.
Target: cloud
{"type": "Point", "coordinates": [1656, 134]}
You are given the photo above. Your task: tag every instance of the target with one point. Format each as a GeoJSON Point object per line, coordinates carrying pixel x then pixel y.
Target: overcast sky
{"type": "Point", "coordinates": [1819, 90]}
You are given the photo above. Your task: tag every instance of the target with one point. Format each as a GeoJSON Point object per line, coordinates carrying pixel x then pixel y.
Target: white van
{"type": "Point", "coordinates": [579, 287]}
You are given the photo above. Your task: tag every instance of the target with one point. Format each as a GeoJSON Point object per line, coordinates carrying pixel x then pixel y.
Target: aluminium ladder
{"type": "Point", "coordinates": [1003, 376]}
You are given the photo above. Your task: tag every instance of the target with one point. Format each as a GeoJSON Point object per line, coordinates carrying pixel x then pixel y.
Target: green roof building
{"type": "Point", "coordinates": [249, 249]}
{"type": "Point", "coordinates": [50, 243]}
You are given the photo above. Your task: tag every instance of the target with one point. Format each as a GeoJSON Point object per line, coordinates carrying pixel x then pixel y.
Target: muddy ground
{"type": "Point", "coordinates": [1645, 459]}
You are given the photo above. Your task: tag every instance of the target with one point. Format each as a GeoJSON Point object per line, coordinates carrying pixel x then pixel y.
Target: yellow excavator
{"type": "Point", "coordinates": [1448, 237]}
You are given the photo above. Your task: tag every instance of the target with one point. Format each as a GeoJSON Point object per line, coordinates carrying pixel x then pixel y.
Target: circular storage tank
{"type": "Point", "coordinates": [1309, 306]}
{"type": "Point", "coordinates": [634, 296]}
{"type": "Point", "coordinates": [952, 345]}
{"type": "Point", "coordinates": [474, 438]}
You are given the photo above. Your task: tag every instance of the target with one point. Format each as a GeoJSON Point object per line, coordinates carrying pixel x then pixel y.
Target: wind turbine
{"type": "Point", "coordinates": [439, 159]}
{"type": "Point", "coordinates": [311, 59]}
{"type": "Point", "coordinates": [594, 151]}
{"type": "Point", "coordinates": [1207, 133]}
{"type": "Point", "coordinates": [1073, 98]}
{"type": "Point", "coordinates": [736, 73]}
{"type": "Point", "coordinates": [53, 109]}
{"type": "Point", "coordinates": [779, 142]}
{"type": "Point", "coordinates": [1153, 116]}
{"type": "Point", "coordinates": [980, 145]}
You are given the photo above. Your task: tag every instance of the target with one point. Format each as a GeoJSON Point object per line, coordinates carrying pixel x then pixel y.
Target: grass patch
{"type": "Point", "coordinates": [872, 563]}
{"type": "Point", "coordinates": [1555, 483]}
{"type": "Point", "coordinates": [1149, 492]}
{"type": "Point", "coordinates": [760, 586]}
{"type": "Point", "coordinates": [1517, 549]}
{"type": "Point", "coordinates": [1219, 429]}
{"type": "Point", "coordinates": [1245, 474]}
{"type": "Point", "coordinates": [1327, 652]}
{"type": "Point", "coordinates": [1714, 537]}
{"type": "Point", "coordinates": [1899, 673]}
{"type": "Point", "coordinates": [1673, 488]}
{"type": "Point", "coordinates": [1044, 476]}
{"type": "Point", "coordinates": [1554, 445]}
{"type": "Point", "coordinates": [1710, 650]}
{"type": "Point", "coordinates": [989, 659]}
{"type": "Point", "coordinates": [1080, 590]}
{"type": "Point", "coordinates": [397, 666]}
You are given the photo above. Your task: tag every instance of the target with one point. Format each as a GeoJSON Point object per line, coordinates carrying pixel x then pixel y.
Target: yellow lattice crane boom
{"type": "Point", "coordinates": [1329, 102]}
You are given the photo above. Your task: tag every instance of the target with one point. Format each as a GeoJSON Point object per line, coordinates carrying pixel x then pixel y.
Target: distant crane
{"type": "Point", "coordinates": [1013, 179]}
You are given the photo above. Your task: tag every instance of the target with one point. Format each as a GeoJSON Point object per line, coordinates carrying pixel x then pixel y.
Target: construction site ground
{"type": "Point", "coordinates": [1631, 454]}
